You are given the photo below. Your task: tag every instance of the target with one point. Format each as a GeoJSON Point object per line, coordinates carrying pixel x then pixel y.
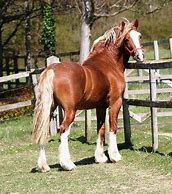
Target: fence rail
{"type": "Point", "coordinates": [15, 63]}
{"type": "Point", "coordinates": [153, 64]}
{"type": "Point", "coordinates": [152, 103]}
{"type": "Point", "coordinates": [15, 105]}
{"type": "Point", "coordinates": [12, 63]}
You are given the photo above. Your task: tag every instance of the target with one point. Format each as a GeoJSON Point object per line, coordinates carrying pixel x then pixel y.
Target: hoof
{"type": "Point", "coordinates": [67, 165]}
{"type": "Point", "coordinates": [114, 156]}
{"type": "Point", "coordinates": [44, 168]}
{"type": "Point", "coordinates": [101, 158]}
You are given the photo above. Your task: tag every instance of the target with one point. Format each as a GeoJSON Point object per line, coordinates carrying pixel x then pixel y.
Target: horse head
{"type": "Point", "coordinates": [132, 41]}
{"type": "Point", "coordinates": [124, 36]}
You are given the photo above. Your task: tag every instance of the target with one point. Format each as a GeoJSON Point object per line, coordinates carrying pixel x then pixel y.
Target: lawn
{"type": "Point", "coordinates": [140, 171]}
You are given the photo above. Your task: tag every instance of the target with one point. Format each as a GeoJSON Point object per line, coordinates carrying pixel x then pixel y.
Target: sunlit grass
{"type": "Point", "coordinates": [138, 168]}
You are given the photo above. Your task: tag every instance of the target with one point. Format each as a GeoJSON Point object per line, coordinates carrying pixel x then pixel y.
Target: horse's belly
{"type": "Point", "coordinates": [90, 104]}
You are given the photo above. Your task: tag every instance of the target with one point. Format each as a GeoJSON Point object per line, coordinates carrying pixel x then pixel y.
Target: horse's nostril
{"type": "Point", "coordinates": [136, 57]}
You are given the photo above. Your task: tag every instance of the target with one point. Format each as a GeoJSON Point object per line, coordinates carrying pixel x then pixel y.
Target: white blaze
{"type": "Point", "coordinates": [135, 36]}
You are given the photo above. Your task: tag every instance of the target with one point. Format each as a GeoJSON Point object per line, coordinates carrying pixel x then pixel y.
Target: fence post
{"type": "Point", "coordinates": [170, 42]}
{"type": "Point", "coordinates": [34, 83]}
{"type": "Point", "coordinates": [126, 117]}
{"type": "Point", "coordinates": [140, 74]}
{"type": "Point", "coordinates": [87, 125]}
{"type": "Point", "coordinates": [16, 68]}
{"type": "Point", "coordinates": [127, 125]}
{"type": "Point", "coordinates": [153, 97]}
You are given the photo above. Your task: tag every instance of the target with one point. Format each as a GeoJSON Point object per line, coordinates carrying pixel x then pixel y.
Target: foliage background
{"type": "Point", "coordinates": [153, 26]}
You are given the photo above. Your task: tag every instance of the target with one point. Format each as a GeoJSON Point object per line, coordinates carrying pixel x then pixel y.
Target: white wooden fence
{"type": "Point", "coordinates": [152, 102]}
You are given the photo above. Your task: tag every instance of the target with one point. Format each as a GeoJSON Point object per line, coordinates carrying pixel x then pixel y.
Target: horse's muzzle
{"type": "Point", "coordinates": [138, 58]}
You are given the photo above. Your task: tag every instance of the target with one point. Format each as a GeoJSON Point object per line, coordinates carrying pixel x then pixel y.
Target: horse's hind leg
{"type": "Point", "coordinates": [42, 161]}
{"type": "Point", "coordinates": [100, 157]}
{"type": "Point", "coordinates": [64, 154]}
{"type": "Point", "coordinates": [113, 152]}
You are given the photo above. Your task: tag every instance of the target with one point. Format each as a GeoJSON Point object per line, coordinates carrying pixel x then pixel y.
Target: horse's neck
{"type": "Point", "coordinates": [113, 55]}
{"type": "Point", "coordinates": [119, 56]}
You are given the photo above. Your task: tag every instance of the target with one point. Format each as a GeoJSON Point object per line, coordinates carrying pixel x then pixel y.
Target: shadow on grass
{"type": "Point", "coordinates": [85, 161]}
{"type": "Point", "coordinates": [148, 149]}
{"type": "Point", "coordinates": [145, 149]}
{"type": "Point", "coordinates": [57, 166]}
{"type": "Point", "coordinates": [124, 146]}
{"type": "Point", "coordinates": [82, 139]}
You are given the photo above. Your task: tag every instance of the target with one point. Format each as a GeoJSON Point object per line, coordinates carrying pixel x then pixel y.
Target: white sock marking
{"type": "Point", "coordinates": [42, 161]}
{"type": "Point", "coordinates": [42, 158]}
{"type": "Point", "coordinates": [113, 152]}
{"type": "Point", "coordinates": [99, 152]}
{"type": "Point", "coordinates": [64, 154]}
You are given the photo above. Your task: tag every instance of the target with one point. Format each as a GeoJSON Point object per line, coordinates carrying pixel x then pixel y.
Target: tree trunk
{"type": "Point", "coordinates": [85, 41]}
{"type": "Point", "coordinates": [85, 29]}
{"type": "Point", "coordinates": [1, 60]}
{"type": "Point", "coordinates": [1, 55]}
{"type": "Point", "coordinates": [28, 37]}
{"type": "Point", "coordinates": [84, 51]}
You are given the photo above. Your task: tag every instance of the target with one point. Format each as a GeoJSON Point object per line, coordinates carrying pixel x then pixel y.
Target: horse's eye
{"type": "Point", "coordinates": [140, 36]}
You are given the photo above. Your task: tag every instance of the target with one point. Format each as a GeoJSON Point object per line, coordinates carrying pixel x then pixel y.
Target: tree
{"type": "Point", "coordinates": [87, 20]}
{"type": "Point", "coordinates": [92, 10]}
{"type": "Point", "coordinates": [12, 17]}
{"type": "Point", "coordinates": [48, 30]}
{"type": "Point", "coordinates": [28, 36]}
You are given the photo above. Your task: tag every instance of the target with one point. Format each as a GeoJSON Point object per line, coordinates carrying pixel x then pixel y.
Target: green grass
{"type": "Point", "coordinates": [164, 53]}
{"type": "Point", "coordinates": [140, 171]}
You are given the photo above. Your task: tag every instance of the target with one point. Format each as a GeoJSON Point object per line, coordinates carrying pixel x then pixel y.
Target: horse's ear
{"type": "Point", "coordinates": [122, 26]}
{"type": "Point", "coordinates": [136, 23]}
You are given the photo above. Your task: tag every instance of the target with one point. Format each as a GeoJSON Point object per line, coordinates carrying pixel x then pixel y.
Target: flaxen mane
{"type": "Point", "coordinates": [113, 35]}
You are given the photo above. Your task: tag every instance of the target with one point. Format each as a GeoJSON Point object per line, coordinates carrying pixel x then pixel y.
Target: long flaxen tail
{"type": "Point", "coordinates": [44, 102]}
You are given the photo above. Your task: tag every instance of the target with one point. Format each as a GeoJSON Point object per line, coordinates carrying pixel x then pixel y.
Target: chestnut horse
{"type": "Point", "coordinates": [97, 83]}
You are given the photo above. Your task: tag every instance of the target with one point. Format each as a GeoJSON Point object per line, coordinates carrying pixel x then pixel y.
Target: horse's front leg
{"type": "Point", "coordinates": [113, 151]}
{"type": "Point", "coordinates": [42, 161]}
{"type": "Point", "coordinates": [64, 154]}
{"type": "Point", "coordinates": [100, 157]}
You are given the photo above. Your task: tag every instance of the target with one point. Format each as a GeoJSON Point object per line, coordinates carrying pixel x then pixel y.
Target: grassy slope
{"type": "Point", "coordinates": [138, 172]}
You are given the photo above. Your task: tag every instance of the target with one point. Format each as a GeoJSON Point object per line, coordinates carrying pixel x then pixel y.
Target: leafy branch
{"type": "Point", "coordinates": [48, 30]}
